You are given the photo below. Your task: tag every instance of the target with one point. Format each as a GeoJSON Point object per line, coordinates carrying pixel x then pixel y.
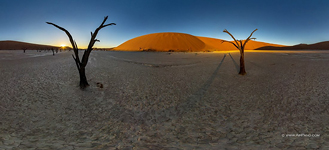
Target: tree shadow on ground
{"type": "Point", "coordinates": [235, 64]}
{"type": "Point", "coordinates": [197, 96]}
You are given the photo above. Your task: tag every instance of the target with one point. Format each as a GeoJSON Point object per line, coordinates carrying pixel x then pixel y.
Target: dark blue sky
{"type": "Point", "coordinates": [286, 22]}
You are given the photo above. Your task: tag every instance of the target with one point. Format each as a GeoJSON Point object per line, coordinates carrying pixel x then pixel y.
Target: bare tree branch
{"type": "Point", "coordinates": [73, 43]}
{"type": "Point", "coordinates": [108, 25]}
{"type": "Point", "coordinates": [231, 36]}
{"type": "Point", "coordinates": [76, 62]}
{"type": "Point", "coordinates": [105, 18]}
{"type": "Point", "coordinates": [247, 40]}
{"type": "Point", "coordinates": [231, 43]}
{"type": "Point", "coordinates": [67, 32]}
{"type": "Point", "coordinates": [92, 41]}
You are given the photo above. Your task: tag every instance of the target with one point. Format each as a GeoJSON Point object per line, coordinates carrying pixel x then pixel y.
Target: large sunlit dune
{"type": "Point", "coordinates": [163, 42]}
{"type": "Point", "coordinates": [170, 41]}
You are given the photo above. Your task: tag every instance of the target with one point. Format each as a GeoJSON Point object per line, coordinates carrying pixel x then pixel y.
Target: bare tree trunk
{"type": "Point", "coordinates": [242, 67]}
{"type": "Point", "coordinates": [83, 78]}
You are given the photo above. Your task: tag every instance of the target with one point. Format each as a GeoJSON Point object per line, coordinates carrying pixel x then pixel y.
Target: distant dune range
{"type": "Point", "coordinates": [171, 41]}
{"type": "Point", "coordinates": [15, 45]}
{"type": "Point", "coordinates": [317, 46]}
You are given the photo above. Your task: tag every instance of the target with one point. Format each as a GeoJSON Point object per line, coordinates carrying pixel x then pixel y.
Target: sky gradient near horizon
{"type": "Point", "coordinates": [287, 22]}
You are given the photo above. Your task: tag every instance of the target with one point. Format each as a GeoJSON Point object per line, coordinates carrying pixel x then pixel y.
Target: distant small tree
{"type": "Point", "coordinates": [81, 64]}
{"type": "Point", "coordinates": [52, 49]}
{"type": "Point", "coordinates": [240, 45]}
{"type": "Point", "coordinates": [24, 49]}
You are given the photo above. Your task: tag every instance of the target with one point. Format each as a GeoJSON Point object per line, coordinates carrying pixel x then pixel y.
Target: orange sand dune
{"type": "Point", "coordinates": [182, 42]}
{"type": "Point", "coordinates": [163, 42]}
{"type": "Point", "coordinates": [213, 44]}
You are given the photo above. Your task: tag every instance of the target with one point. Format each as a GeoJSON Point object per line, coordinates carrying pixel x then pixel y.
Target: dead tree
{"type": "Point", "coordinates": [24, 49]}
{"type": "Point", "coordinates": [81, 64]}
{"type": "Point", "coordinates": [52, 49]}
{"type": "Point", "coordinates": [240, 45]}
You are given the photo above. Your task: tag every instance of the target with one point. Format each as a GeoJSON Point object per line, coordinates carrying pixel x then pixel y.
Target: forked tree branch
{"type": "Point", "coordinates": [241, 47]}
{"type": "Point", "coordinates": [92, 41]}
{"type": "Point", "coordinates": [232, 37]}
{"type": "Point", "coordinates": [239, 44]}
{"type": "Point", "coordinates": [247, 40]}
{"type": "Point", "coordinates": [73, 43]}
{"type": "Point", "coordinates": [231, 43]}
{"type": "Point", "coordinates": [67, 32]}
{"type": "Point", "coordinates": [82, 64]}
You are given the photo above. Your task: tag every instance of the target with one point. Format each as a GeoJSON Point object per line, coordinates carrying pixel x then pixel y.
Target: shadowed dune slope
{"type": "Point", "coordinates": [182, 42]}
{"type": "Point", "coordinates": [213, 44]}
{"type": "Point", "coordinates": [252, 45]}
{"type": "Point", "coordinates": [15, 45]}
{"type": "Point", "coordinates": [163, 42]}
{"type": "Point", "coordinates": [316, 46]}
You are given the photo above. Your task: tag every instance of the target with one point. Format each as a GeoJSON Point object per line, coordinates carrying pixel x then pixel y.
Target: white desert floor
{"type": "Point", "coordinates": [165, 101]}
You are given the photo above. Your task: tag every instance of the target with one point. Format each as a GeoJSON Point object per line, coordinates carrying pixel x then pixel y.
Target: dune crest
{"type": "Point", "coordinates": [163, 42]}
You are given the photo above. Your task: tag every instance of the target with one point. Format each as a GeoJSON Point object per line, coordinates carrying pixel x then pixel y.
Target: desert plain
{"type": "Point", "coordinates": [162, 100]}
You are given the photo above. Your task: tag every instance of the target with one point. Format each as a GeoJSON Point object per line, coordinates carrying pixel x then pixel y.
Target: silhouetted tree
{"type": "Point", "coordinates": [52, 49]}
{"type": "Point", "coordinates": [24, 49]}
{"type": "Point", "coordinates": [240, 45]}
{"type": "Point", "coordinates": [81, 65]}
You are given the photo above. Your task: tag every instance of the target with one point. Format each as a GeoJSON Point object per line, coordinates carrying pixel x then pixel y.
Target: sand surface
{"type": "Point", "coordinates": [165, 101]}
